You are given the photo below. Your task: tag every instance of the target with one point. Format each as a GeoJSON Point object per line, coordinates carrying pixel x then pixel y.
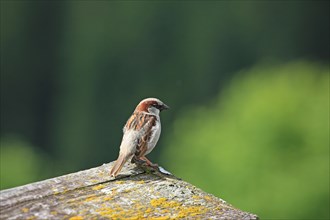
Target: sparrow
{"type": "Point", "coordinates": [141, 134]}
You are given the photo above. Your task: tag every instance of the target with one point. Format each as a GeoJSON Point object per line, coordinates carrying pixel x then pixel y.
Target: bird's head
{"type": "Point", "coordinates": [151, 105]}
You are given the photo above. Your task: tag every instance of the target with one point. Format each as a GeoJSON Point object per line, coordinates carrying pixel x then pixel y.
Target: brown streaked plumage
{"type": "Point", "coordinates": [141, 133]}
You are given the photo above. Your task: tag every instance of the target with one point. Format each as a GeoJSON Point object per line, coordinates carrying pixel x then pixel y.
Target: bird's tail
{"type": "Point", "coordinates": [118, 165]}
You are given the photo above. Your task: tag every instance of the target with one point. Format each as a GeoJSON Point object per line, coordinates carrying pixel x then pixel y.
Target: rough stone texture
{"type": "Point", "coordinates": [135, 194]}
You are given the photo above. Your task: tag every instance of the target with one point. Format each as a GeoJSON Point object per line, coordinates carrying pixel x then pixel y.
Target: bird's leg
{"type": "Point", "coordinates": [149, 163]}
{"type": "Point", "coordinates": [143, 161]}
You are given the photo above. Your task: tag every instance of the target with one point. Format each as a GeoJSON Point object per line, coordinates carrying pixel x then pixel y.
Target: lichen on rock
{"type": "Point", "coordinates": [135, 194]}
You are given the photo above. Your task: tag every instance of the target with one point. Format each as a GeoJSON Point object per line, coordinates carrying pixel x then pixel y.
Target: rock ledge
{"type": "Point", "coordinates": [135, 194]}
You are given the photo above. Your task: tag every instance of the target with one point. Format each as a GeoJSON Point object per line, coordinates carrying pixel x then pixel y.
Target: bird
{"type": "Point", "coordinates": [140, 134]}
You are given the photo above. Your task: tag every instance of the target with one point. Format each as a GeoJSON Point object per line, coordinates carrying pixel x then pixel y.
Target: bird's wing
{"type": "Point", "coordinates": [147, 122]}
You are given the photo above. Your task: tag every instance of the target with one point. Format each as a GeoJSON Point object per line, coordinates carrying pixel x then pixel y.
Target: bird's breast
{"type": "Point", "coordinates": [155, 134]}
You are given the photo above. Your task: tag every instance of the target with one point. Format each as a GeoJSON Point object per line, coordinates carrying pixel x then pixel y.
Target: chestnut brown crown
{"type": "Point", "coordinates": [149, 103]}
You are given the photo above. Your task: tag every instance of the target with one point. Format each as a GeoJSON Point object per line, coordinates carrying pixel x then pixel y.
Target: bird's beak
{"type": "Point", "coordinates": [164, 107]}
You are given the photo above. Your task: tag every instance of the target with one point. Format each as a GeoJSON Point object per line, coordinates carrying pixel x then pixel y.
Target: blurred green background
{"type": "Point", "coordinates": [247, 82]}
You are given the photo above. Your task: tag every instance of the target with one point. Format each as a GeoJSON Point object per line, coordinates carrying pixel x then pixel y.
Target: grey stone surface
{"type": "Point", "coordinates": [135, 194]}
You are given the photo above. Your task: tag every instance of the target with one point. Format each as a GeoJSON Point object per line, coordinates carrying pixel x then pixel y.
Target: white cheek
{"type": "Point", "coordinates": [153, 110]}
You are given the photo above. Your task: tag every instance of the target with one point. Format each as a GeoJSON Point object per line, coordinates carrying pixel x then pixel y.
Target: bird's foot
{"type": "Point", "coordinates": [149, 163]}
{"type": "Point", "coordinates": [137, 161]}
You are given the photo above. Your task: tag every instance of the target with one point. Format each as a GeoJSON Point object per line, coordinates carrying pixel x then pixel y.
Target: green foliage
{"type": "Point", "coordinates": [73, 71]}
{"type": "Point", "coordinates": [19, 163]}
{"type": "Point", "coordinates": [263, 144]}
